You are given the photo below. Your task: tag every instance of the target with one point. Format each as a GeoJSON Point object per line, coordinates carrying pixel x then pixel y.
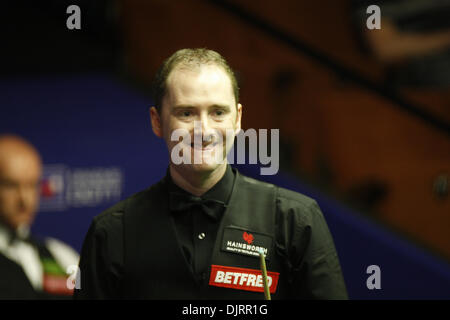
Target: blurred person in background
{"type": "Point", "coordinates": [413, 41]}
{"type": "Point", "coordinates": [30, 268]}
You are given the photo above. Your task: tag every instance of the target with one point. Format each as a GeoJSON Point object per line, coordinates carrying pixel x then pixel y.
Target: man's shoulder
{"type": "Point", "coordinates": [115, 212]}
{"type": "Point", "coordinates": [64, 254]}
{"type": "Point", "coordinates": [295, 197]}
{"type": "Point", "coordinates": [282, 194]}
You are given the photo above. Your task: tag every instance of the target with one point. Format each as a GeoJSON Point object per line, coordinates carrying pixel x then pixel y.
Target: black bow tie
{"type": "Point", "coordinates": [14, 237]}
{"type": "Point", "coordinates": [184, 202]}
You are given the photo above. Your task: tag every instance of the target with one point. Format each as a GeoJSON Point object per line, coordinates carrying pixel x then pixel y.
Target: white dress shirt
{"type": "Point", "coordinates": [27, 256]}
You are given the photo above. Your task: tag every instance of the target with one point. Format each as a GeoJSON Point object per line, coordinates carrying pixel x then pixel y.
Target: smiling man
{"type": "Point", "coordinates": [197, 233]}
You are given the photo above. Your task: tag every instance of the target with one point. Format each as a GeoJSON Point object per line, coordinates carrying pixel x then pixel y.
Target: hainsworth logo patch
{"type": "Point", "coordinates": [242, 278]}
{"type": "Point", "coordinates": [242, 241]}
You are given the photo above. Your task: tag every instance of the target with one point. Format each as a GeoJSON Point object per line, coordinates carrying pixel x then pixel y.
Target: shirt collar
{"type": "Point", "coordinates": [221, 191]}
{"type": "Point", "coordinates": [4, 237]}
{"type": "Point", "coordinates": [7, 235]}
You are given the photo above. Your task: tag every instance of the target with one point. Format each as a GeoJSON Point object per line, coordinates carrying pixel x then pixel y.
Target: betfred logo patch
{"type": "Point", "coordinates": [242, 278]}
{"type": "Point", "coordinates": [245, 242]}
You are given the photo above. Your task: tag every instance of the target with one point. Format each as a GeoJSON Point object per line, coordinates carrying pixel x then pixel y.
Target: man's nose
{"type": "Point", "coordinates": [26, 196]}
{"type": "Point", "coordinates": [203, 128]}
{"type": "Point", "coordinates": [209, 132]}
{"type": "Point", "coordinates": [205, 125]}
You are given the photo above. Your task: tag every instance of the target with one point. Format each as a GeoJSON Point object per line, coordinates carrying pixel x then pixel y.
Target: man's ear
{"type": "Point", "coordinates": [155, 119]}
{"type": "Point", "coordinates": [238, 118]}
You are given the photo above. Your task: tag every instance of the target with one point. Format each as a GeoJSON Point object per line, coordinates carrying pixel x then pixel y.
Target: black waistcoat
{"type": "Point", "coordinates": [155, 267]}
{"type": "Point", "coordinates": [14, 283]}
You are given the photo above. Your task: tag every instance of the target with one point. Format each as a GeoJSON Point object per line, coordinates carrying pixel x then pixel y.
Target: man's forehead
{"type": "Point", "coordinates": [17, 157]}
{"type": "Point", "coordinates": [209, 74]}
{"type": "Point", "coordinates": [19, 160]}
{"type": "Point", "coordinates": [209, 81]}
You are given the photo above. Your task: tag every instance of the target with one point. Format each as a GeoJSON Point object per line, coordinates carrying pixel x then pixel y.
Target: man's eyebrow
{"type": "Point", "coordinates": [221, 106]}
{"type": "Point", "coordinates": [6, 181]}
{"type": "Point", "coordinates": [188, 106]}
{"type": "Point", "coordinates": [183, 106]}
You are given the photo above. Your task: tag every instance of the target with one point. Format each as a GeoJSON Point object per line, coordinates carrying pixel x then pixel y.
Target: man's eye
{"type": "Point", "coordinates": [219, 113]}
{"type": "Point", "coordinates": [7, 184]}
{"type": "Point", "coordinates": [185, 113]}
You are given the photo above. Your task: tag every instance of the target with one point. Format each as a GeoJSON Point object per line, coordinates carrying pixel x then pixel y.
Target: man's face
{"type": "Point", "coordinates": [202, 99]}
{"type": "Point", "coordinates": [19, 192]}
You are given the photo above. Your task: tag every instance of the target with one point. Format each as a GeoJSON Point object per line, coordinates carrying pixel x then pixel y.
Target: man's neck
{"type": "Point", "coordinates": [7, 231]}
{"type": "Point", "coordinates": [196, 183]}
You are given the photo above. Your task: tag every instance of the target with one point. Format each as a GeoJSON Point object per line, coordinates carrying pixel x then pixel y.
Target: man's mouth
{"type": "Point", "coordinates": [203, 147]}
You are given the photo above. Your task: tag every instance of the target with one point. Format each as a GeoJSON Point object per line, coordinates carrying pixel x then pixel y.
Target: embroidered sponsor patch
{"type": "Point", "coordinates": [55, 279]}
{"type": "Point", "coordinates": [242, 278]}
{"type": "Point", "coordinates": [242, 241]}
{"type": "Point", "coordinates": [55, 284]}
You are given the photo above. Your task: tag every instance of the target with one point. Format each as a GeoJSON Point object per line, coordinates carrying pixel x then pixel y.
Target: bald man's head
{"type": "Point", "coordinates": [20, 172]}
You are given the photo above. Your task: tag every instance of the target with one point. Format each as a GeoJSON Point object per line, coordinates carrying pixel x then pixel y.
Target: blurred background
{"type": "Point", "coordinates": [364, 115]}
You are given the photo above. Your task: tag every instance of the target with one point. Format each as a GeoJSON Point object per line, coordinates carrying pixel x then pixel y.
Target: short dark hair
{"type": "Point", "coordinates": [191, 58]}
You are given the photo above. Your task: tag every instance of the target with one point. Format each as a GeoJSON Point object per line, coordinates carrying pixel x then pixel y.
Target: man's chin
{"type": "Point", "coordinates": [203, 167]}
{"type": "Point", "coordinates": [19, 222]}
